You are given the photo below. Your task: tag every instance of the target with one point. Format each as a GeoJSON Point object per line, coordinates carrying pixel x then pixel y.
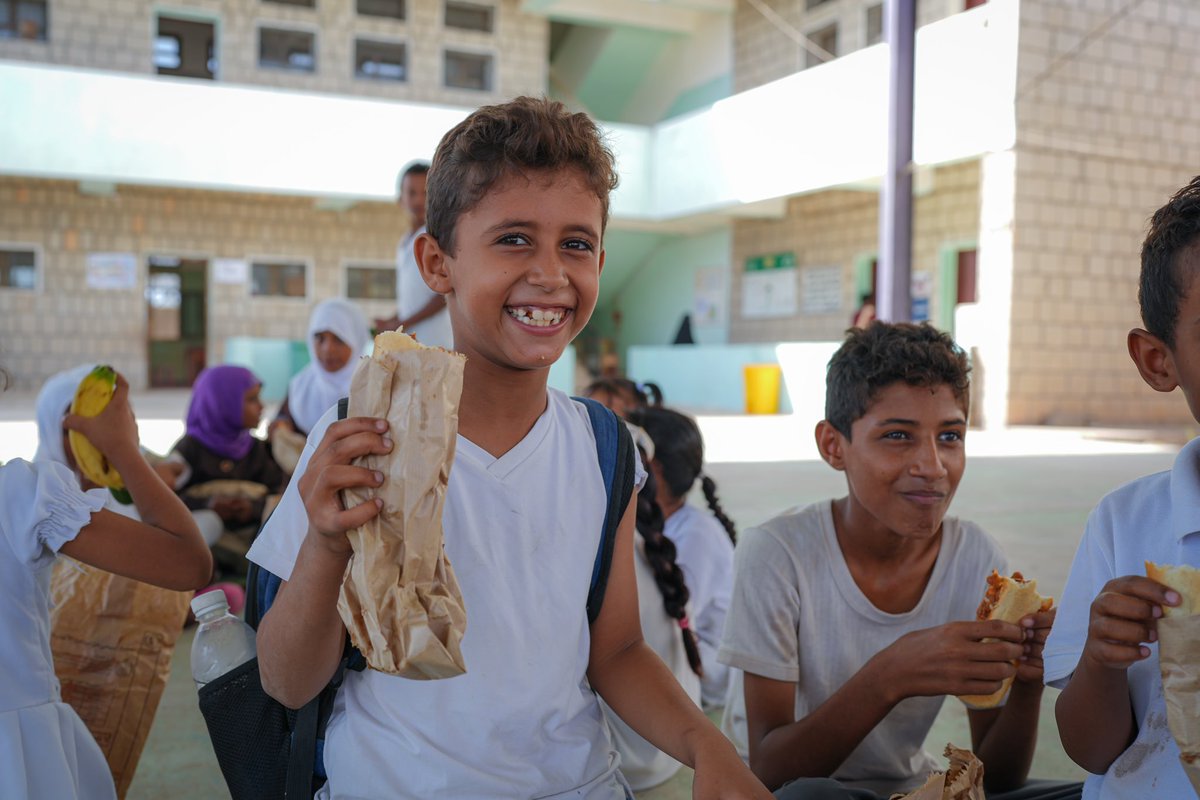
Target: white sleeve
{"type": "Point", "coordinates": [1092, 567]}
{"type": "Point", "coordinates": [278, 544]}
{"type": "Point", "coordinates": [175, 457]}
{"type": "Point", "coordinates": [42, 508]}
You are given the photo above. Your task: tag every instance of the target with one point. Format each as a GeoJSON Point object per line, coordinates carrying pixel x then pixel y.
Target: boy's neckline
{"type": "Point", "coordinates": [924, 566]}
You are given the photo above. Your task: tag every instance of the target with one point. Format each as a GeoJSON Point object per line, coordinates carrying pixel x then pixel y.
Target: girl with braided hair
{"type": "Point", "coordinates": [703, 539]}
{"type": "Point", "coordinates": [665, 627]}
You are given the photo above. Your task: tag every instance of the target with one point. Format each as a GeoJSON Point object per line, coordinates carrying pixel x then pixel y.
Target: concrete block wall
{"type": "Point", "coordinates": [65, 323]}
{"type": "Point", "coordinates": [119, 35]}
{"type": "Point", "coordinates": [762, 52]}
{"type": "Point", "coordinates": [840, 227]}
{"type": "Point", "coordinates": [1104, 138]}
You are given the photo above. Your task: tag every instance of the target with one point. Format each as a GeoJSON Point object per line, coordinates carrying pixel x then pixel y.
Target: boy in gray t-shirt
{"type": "Point", "coordinates": [852, 619]}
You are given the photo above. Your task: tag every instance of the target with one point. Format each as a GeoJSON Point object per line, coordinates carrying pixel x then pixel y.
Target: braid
{"type": "Point", "coordinates": [660, 553]}
{"type": "Point", "coordinates": [710, 494]}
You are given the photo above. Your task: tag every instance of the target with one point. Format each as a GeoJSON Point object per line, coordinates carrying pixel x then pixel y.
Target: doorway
{"type": "Point", "coordinates": [177, 314]}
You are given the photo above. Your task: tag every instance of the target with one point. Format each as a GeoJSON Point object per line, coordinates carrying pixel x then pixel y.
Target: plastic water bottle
{"type": "Point", "coordinates": [222, 641]}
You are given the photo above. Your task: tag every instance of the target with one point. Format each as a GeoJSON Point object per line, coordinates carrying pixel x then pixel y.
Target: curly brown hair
{"type": "Point", "coordinates": [523, 135]}
{"type": "Point", "coordinates": [1174, 228]}
{"type": "Point", "coordinates": [881, 354]}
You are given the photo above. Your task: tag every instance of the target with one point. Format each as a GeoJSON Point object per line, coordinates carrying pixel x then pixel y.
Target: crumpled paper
{"type": "Point", "coordinates": [399, 599]}
{"type": "Point", "coordinates": [962, 781]}
{"type": "Point", "coordinates": [1179, 662]}
{"type": "Point", "coordinates": [112, 639]}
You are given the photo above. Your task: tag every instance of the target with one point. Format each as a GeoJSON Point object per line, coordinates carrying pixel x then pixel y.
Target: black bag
{"type": "Point", "coordinates": [269, 752]}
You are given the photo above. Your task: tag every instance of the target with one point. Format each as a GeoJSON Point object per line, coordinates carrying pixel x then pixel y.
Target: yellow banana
{"type": "Point", "coordinates": [92, 397]}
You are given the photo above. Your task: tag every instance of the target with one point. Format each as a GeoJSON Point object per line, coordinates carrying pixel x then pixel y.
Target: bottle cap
{"type": "Point", "coordinates": [209, 600]}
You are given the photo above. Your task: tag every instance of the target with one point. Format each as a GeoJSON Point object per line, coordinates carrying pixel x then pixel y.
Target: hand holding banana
{"type": "Point", "coordinates": [102, 430]}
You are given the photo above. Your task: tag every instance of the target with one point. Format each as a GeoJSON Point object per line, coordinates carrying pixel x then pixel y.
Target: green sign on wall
{"type": "Point", "coordinates": [771, 261]}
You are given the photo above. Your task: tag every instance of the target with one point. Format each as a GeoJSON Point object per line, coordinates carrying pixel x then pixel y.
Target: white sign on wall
{"type": "Point", "coordinates": [111, 271]}
{"type": "Point", "coordinates": [230, 270]}
{"type": "Point", "coordinates": [710, 298]}
{"type": "Point", "coordinates": [821, 290]}
{"type": "Point", "coordinates": [769, 293]}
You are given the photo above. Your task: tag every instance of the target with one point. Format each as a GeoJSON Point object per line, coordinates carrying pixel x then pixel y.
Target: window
{"type": "Point", "coordinates": [381, 8]}
{"type": "Point", "coordinates": [972, 4]}
{"type": "Point", "coordinates": [468, 71]}
{"type": "Point", "coordinates": [370, 283]}
{"type": "Point", "coordinates": [968, 276]}
{"type": "Point", "coordinates": [811, 4]}
{"type": "Point", "coordinates": [284, 49]}
{"type": "Point", "coordinates": [825, 38]}
{"type": "Point", "coordinates": [18, 268]}
{"type": "Point", "coordinates": [301, 3]}
{"type": "Point", "coordinates": [385, 61]}
{"type": "Point", "coordinates": [470, 16]}
{"type": "Point", "coordinates": [184, 47]}
{"type": "Point", "coordinates": [278, 279]}
{"type": "Point", "coordinates": [23, 19]}
{"type": "Point", "coordinates": [874, 25]}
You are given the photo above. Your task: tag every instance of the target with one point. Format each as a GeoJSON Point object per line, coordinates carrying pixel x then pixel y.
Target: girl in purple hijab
{"type": "Point", "coordinates": [218, 446]}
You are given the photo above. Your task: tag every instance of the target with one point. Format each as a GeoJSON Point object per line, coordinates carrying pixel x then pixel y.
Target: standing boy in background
{"type": "Point", "coordinates": [853, 619]}
{"type": "Point", "coordinates": [420, 310]}
{"type": "Point", "coordinates": [1104, 653]}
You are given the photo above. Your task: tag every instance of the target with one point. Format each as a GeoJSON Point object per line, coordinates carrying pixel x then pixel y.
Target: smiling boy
{"type": "Point", "coordinates": [518, 203]}
{"type": "Point", "coordinates": [852, 619]}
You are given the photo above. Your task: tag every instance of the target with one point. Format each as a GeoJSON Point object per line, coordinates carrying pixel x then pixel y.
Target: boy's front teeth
{"type": "Point", "coordinates": [537, 317]}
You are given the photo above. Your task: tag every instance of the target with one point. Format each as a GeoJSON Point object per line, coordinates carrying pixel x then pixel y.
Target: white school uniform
{"type": "Point", "coordinates": [1155, 518]}
{"type": "Point", "coordinates": [45, 749]}
{"type": "Point", "coordinates": [705, 554]}
{"type": "Point", "coordinates": [521, 532]}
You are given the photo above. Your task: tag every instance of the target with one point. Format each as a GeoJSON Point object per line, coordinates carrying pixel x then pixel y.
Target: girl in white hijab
{"type": "Point", "coordinates": [337, 332]}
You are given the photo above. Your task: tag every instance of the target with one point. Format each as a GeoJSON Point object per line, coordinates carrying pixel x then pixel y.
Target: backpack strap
{"type": "Point", "coordinates": [614, 450]}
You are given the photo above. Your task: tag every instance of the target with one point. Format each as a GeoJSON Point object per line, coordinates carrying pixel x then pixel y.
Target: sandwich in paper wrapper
{"type": "Point", "coordinates": [1007, 599]}
{"type": "Point", "coordinates": [400, 600]}
{"type": "Point", "coordinates": [962, 781]}
{"type": "Point", "coordinates": [1179, 662]}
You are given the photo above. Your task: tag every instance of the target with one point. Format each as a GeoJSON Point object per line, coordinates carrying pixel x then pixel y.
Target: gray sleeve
{"type": "Point", "coordinates": [763, 621]}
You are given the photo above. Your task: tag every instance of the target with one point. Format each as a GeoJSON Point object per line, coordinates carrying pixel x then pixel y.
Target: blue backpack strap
{"type": "Point", "coordinates": [615, 452]}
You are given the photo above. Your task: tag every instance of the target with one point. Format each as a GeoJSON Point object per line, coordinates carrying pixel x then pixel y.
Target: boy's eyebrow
{"type": "Point", "coordinates": [508, 224]}
{"type": "Point", "coordinates": [912, 422]}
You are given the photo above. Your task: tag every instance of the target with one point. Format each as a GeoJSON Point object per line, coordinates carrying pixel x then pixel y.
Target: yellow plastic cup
{"type": "Point", "coordinates": [762, 388]}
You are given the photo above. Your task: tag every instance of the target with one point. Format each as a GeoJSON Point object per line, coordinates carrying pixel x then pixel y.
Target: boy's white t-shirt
{"type": "Point", "coordinates": [798, 616]}
{"type": "Point", "coordinates": [1155, 518]}
{"type": "Point", "coordinates": [522, 533]}
{"type": "Point", "coordinates": [704, 552]}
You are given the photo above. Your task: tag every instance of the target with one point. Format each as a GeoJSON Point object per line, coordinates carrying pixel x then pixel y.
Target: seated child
{"type": "Point", "coordinates": [337, 334]}
{"type": "Point", "coordinates": [1103, 651]}
{"type": "Point", "coordinates": [45, 749]}
{"type": "Point", "coordinates": [218, 446]}
{"type": "Point", "coordinates": [665, 626]}
{"type": "Point", "coordinates": [517, 205]}
{"type": "Point", "coordinates": [854, 618]}
{"type": "Point", "coordinates": [703, 539]}
{"type": "Point", "coordinates": [623, 396]}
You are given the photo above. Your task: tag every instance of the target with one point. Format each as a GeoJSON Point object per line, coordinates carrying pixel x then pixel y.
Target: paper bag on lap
{"type": "Point", "coordinates": [1179, 662]}
{"type": "Point", "coordinates": [962, 781]}
{"type": "Point", "coordinates": [400, 600]}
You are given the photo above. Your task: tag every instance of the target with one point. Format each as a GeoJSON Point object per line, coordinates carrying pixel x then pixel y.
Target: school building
{"type": "Point", "coordinates": [180, 182]}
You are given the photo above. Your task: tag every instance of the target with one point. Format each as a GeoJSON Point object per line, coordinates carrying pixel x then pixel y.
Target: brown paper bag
{"type": "Point", "coordinates": [399, 598]}
{"type": "Point", "coordinates": [112, 639]}
{"type": "Point", "coordinates": [962, 781]}
{"type": "Point", "coordinates": [1179, 661]}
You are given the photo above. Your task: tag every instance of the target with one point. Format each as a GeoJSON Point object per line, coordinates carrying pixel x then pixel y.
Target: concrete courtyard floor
{"type": "Point", "coordinates": [1031, 488]}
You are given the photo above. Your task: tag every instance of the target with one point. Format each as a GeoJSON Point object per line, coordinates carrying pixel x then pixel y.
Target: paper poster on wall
{"type": "Point", "coordinates": [921, 289]}
{"type": "Point", "coordinates": [710, 298]}
{"type": "Point", "coordinates": [768, 294]}
{"type": "Point", "coordinates": [821, 290]}
{"type": "Point", "coordinates": [230, 270]}
{"type": "Point", "coordinates": [111, 271]}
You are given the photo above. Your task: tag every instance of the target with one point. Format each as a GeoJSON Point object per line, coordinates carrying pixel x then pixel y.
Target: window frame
{"type": "Point", "coordinates": [403, 42]}
{"type": "Point", "coordinates": [276, 258]}
{"type": "Point", "coordinates": [403, 18]}
{"type": "Point", "coordinates": [867, 24]}
{"type": "Point", "coordinates": [289, 27]}
{"type": "Point", "coordinates": [492, 16]}
{"type": "Point", "coordinates": [290, 4]}
{"type": "Point", "coordinates": [14, 34]}
{"type": "Point", "coordinates": [821, 27]}
{"type": "Point", "coordinates": [493, 77]}
{"type": "Point", "coordinates": [366, 263]}
{"type": "Point", "coordinates": [39, 266]}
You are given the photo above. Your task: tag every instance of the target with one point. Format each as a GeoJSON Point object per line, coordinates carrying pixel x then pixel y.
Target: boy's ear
{"type": "Point", "coordinates": [601, 270]}
{"type": "Point", "coordinates": [831, 444]}
{"type": "Point", "coordinates": [1153, 359]}
{"type": "Point", "coordinates": [431, 259]}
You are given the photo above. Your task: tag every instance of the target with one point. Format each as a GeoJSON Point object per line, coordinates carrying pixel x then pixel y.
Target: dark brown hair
{"type": "Point", "coordinates": [875, 357]}
{"type": "Point", "coordinates": [524, 135]}
{"type": "Point", "coordinates": [1173, 229]}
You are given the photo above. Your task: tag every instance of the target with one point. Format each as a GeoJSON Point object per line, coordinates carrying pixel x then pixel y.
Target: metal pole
{"type": "Point", "coordinates": [894, 301]}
